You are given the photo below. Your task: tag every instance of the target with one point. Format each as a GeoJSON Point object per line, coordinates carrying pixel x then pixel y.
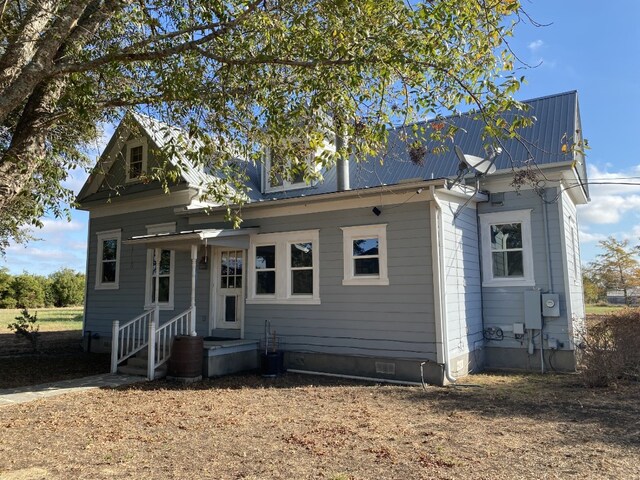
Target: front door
{"type": "Point", "coordinates": [229, 288]}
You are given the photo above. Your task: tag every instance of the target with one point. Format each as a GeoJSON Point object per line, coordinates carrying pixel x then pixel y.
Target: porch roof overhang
{"type": "Point", "coordinates": [184, 240]}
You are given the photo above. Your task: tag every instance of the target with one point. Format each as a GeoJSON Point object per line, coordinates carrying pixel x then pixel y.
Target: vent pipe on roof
{"type": "Point", "coordinates": [342, 164]}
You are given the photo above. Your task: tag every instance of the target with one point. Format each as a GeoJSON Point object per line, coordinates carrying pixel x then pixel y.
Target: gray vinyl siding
{"type": "Point", "coordinates": [394, 321]}
{"type": "Point", "coordinates": [574, 268]}
{"type": "Point", "coordinates": [462, 279]}
{"type": "Point", "coordinates": [127, 302]}
{"type": "Point", "coordinates": [504, 306]}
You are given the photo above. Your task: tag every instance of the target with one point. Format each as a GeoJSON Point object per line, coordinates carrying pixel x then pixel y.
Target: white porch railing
{"type": "Point", "coordinates": [161, 338]}
{"type": "Point", "coordinates": [129, 338]}
{"type": "Point", "coordinates": [142, 332]}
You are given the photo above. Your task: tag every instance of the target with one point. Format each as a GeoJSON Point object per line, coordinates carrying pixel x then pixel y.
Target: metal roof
{"type": "Point", "coordinates": [162, 135]}
{"type": "Point", "coordinates": [557, 122]}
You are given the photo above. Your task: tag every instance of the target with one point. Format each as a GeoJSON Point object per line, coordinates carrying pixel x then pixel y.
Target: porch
{"type": "Point", "coordinates": [145, 342]}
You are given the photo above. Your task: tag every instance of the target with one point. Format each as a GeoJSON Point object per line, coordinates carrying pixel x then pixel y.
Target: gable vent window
{"type": "Point", "coordinates": [136, 161]}
{"type": "Point", "coordinates": [135, 165]}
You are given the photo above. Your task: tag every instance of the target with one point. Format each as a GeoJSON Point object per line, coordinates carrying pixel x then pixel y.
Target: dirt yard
{"type": "Point", "coordinates": [61, 357]}
{"type": "Point", "coordinates": [300, 427]}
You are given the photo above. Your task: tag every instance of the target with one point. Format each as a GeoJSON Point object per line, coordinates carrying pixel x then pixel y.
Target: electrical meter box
{"type": "Point", "coordinates": [532, 311]}
{"type": "Point", "coordinates": [550, 305]}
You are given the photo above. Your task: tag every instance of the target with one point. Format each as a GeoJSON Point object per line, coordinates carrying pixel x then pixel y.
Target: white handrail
{"type": "Point", "coordinates": [128, 339]}
{"type": "Point", "coordinates": [160, 345]}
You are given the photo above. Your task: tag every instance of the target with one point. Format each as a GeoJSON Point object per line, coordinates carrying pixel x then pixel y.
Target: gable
{"type": "Point", "coordinates": [109, 176]}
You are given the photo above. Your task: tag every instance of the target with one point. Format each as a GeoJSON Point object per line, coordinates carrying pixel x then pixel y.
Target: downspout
{"type": "Point", "coordinates": [439, 297]}
{"type": "Point", "coordinates": [86, 278]}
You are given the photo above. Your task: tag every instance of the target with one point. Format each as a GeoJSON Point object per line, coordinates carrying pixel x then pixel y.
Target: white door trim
{"type": "Point", "coordinates": [217, 292]}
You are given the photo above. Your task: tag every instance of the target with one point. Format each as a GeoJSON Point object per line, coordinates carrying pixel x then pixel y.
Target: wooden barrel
{"type": "Point", "coordinates": [186, 357]}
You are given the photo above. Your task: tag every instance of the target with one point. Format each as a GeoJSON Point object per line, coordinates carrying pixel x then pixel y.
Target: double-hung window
{"type": "Point", "coordinates": [265, 268]}
{"type": "Point", "coordinates": [506, 248]}
{"type": "Point", "coordinates": [108, 256]}
{"type": "Point", "coordinates": [365, 255]}
{"type": "Point", "coordinates": [284, 268]}
{"type": "Point", "coordinates": [136, 164]}
{"type": "Point", "coordinates": [160, 271]}
{"type": "Point", "coordinates": [280, 174]}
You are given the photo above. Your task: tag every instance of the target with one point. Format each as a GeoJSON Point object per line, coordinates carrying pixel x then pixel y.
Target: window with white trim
{"type": "Point", "coordinates": [108, 260]}
{"type": "Point", "coordinates": [284, 268]}
{"type": "Point", "coordinates": [160, 270]}
{"type": "Point", "coordinates": [365, 255]}
{"type": "Point", "coordinates": [136, 159]}
{"type": "Point", "coordinates": [279, 174]}
{"type": "Point", "coordinates": [507, 258]}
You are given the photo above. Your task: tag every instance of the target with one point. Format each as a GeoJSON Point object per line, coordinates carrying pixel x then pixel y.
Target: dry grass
{"type": "Point", "coordinates": [49, 319]}
{"type": "Point", "coordinates": [60, 343]}
{"type": "Point", "coordinates": [299, 427]}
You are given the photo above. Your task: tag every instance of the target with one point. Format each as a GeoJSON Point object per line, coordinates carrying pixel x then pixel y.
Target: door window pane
{"type": "Point", "coordinates": [230, 302]}
{"type": "Point", "coordinates": [231, 269]}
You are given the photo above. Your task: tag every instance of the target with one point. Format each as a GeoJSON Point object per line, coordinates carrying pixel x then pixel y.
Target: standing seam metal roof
{"type": "Point", "coordinates": [555, 125]}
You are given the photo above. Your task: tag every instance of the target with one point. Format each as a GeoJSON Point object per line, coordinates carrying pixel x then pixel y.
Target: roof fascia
{"type": "Point", "coordinates": [324, 197]}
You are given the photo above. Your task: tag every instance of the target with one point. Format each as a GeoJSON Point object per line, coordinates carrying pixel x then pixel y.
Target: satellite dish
{"type": "Point", "coordinates": [482, 166]}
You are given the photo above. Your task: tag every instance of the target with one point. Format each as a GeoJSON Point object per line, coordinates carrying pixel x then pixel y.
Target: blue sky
{"type": "Point", "coordinates": [590, 47]}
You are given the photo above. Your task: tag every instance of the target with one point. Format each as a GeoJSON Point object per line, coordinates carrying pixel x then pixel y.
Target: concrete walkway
{"type": "Point", "coordinates": [12, 396]}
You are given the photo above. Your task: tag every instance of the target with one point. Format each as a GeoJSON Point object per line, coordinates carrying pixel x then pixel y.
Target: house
{"type": "Point", "coordinates": [617, 297]}
{"type": "Point", "coordinates": [382, 270]}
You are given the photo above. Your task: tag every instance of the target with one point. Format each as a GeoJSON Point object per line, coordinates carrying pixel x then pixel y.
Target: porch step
{"type": "Point", "coordinates": [141, 371]}
{"type": "Point", "coordinates": [137, 365]}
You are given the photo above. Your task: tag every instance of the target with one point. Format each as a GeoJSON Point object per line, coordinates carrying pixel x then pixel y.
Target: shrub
{"type": "Point", "coordinates": [611, 349]}
{"type": "Point", "coordinates": [67, 287]}
{"type": "Point", "coordinates": [29, 291]}
{"type": "Point", "coordinates": [7, 294]}
{"type": "Point", "coordinates": [26, 325]}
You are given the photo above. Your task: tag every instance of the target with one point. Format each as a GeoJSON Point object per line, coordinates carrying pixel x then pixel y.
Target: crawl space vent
{"type": "Point", "coordinates": [386, 368]}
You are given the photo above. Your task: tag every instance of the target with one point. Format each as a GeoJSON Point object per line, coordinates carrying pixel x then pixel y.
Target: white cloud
{"type": "Point", "coordinates": [587, 237]}
{"type": "Point", "coordinates": [58, 225]}
{"type": "Point", "coordinates": [611, 199]}
{"type": "Point", "coordinates": [535, 45]}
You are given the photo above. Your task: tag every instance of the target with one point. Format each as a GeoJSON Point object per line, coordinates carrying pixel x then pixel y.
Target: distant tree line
{"type": "Point", "coordinates": [63, 288]}
{"type": "Point", "coordinates": [616, 268]}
